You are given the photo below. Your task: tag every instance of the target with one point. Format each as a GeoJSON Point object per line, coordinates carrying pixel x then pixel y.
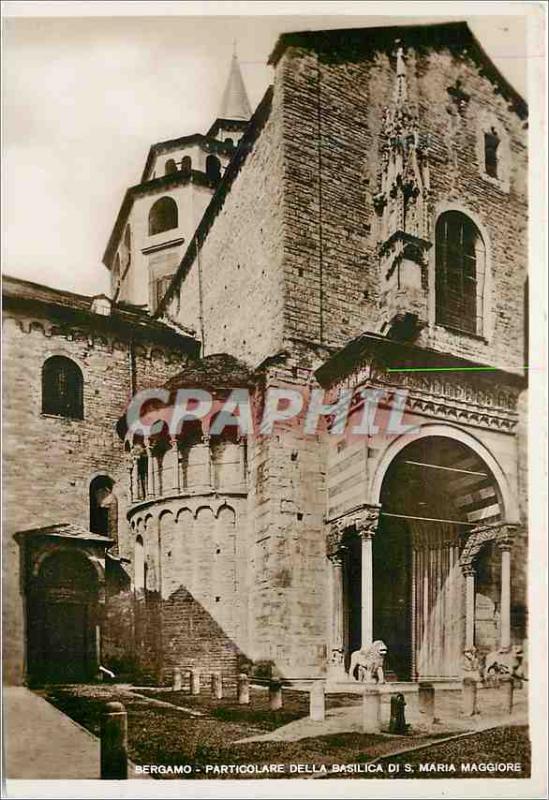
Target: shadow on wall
{"type": "Point", "coordinates": [180, 632]}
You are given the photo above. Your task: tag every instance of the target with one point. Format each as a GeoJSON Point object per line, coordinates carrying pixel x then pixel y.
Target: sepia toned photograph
{"type": "Point", "coordinates": [267, 285]}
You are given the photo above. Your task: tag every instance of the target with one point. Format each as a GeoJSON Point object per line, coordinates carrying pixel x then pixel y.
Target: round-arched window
{"type": "Point", "coordinates": [170, 167]}
{"type": "Point", "coordinates": [163, 216]}
{"type": "Point", "coordinates": [62, 388]}
{"type": "Point", "coordinates": [460, 273]}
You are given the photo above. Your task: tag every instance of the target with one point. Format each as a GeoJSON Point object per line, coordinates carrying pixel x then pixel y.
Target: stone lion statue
{"type": "Point", "coordinates": [504, 662]}
{"type": "Point", "coordinates": [367, 663]}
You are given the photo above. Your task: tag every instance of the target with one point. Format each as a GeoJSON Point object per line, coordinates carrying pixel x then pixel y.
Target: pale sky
{"type": "Point", "coordinates": [85, 97]}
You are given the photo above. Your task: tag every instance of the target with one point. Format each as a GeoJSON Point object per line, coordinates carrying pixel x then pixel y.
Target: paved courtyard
{"type": "Point", "coordinates": [43, 743]}
{"type": "Point", "coordinates": [449, 718]}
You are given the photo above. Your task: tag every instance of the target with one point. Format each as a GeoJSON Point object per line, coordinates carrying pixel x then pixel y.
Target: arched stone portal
{"type": "Point", "coordinates": [435, 492]}
{"type": "Point", "coordinates": [63, 616]}
{"type": "Point", "coordinates": [64, 582]}
{"type": "Point", "coordinates": [399, 572]}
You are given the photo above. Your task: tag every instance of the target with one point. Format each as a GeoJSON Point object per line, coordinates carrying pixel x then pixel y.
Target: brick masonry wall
{"type": "Point", "coordinates": [332, 117]}
{"type": "Point", "coordinates": [50, 461]}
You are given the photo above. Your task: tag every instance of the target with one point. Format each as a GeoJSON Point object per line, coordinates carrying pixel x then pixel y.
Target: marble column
{"type": "Point", "coordinates": [367, 594]}
{"type": "Point", "coordinates": [336, 663]}
{"type": "Point", "coordinates": [366, 526]}
{"type": "Point", "coordinates": [469, 574]}
{"type": "Point", "coordinates": [505, 605]}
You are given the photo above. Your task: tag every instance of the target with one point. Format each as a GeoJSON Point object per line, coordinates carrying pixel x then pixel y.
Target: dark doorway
{"type": "Point", "coordinates": [392, 596]}
{"type": "Point", "coordinates": [352, 579]}
{"type": "Point", "coordinates": [62, 620]}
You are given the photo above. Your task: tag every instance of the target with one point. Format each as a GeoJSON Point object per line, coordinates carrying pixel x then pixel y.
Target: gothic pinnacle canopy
{"type": "Point", "coordinates": [234, 103]}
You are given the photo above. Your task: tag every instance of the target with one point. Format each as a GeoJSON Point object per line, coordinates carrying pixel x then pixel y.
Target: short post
{"type": "Point", "coordinates": [397, 723]}
{"type": "Point", "coordinates": [469, 697]}
{"type": "Point", "coordinates": [507, 689]}
{"type": "Point", "coordinates": [275, 695]}
{"type": "Point", "coordinates": [217, 686]}
{"type": "Point", "coordinates": [243, 689]}
{"type": "Point", "coordinates": [177, 681]}
{"type": "Point", "coordinates": [114, 742]}
{"type": "Point", "coordinates": [195, 681]}
{"type": "Point", "coordinates": [317, 701]}
{"type": "Point", "coordinates": [371, 711]}
{"type": "Point", "coordinates": [426, 701]}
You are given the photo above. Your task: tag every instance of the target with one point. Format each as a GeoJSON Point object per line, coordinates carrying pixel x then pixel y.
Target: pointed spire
{"type": "Point", "coordinates": [235, 103]}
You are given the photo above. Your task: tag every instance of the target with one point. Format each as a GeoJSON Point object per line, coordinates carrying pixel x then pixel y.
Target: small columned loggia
{"type": "Point", "coordinates": [501, 534]}
{"type": "Point", "coordinates": [349, 539]}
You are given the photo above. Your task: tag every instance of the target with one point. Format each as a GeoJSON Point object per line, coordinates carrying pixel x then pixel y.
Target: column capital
{"type": "Point", "coordinates": [362, 521]}
{"type": "Point", "coordinates": [468, 571]}
{"type": "Point", "coordinates": [502, 534]}
{"type": "Point", "coordinates": [367, 520]}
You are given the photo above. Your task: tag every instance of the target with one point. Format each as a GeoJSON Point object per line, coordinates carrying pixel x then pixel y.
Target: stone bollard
{"type": "Point", "coordinates": [397, 722]}
{"type": "Point", "coordinates": [507, 688]}
{"type": "Point", "coordinates": [371, 711]}
{"type": "Point", "coordinates": [217, 686]}
{"type": "Point", "coordinates": [469, 697]}
{"type": "Point", "coordinates": [243, 689]}
{"type": "Point", "coordinates": [275, 695]}
{"type": "Point", "coordinates": [177, 681]}
{"type": "Point", "coordinates": [114, 743]}
{"type": "Point", "coordinates": [426, 701]}
{"type": "Point", "coordinates": [317, 701]}
{"type": "Point", "coordinates": [195, 681]}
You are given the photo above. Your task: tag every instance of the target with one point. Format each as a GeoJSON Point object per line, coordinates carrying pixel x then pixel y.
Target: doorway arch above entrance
{"type": "Point", "coordinates": [508, 495]}
{"type": "Point", "coordinates": [400, 577]}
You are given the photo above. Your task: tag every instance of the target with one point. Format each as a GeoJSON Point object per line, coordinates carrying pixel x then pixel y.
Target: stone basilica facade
{"type": "Point", "coordinates": [364, 228]}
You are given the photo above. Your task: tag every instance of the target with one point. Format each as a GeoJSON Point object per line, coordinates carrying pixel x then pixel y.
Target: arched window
{"type": "Point", "coordinates": [170, 167]}
{"type": "Point", "coordinates": [491, 144]}
{"type": "Point", "coordinates": [460, 272]}
{"type": "Point", "coordinates": [142, 477]}
{"type": "Point", "coordinates": [103, 507]}
{"type": "Point", "coordinates": [229, 141]}
{"type": "Point", "coordinates": [62, 388]}
{"type": "Point", "coordinates": [186, 165]}
{"type": "Point", "coordinates": [213, 168]}
{"type": "Point", "coordinates": [139, 564]}
{"type": "Point", "coordinates": [163, 216]}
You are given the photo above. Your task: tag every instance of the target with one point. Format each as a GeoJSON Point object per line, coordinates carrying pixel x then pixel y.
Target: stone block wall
{"type": "Point", "coordinates": [192, 612]}
{"type": "Point", "coordinates": [288, 566]}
